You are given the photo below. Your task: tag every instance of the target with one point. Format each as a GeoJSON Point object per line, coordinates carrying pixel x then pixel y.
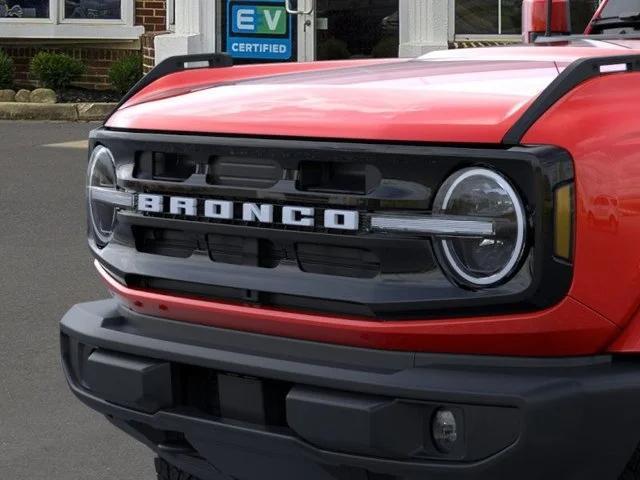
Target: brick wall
{"type": "Point", "coordinates": [152, 14]}
{"type": "Point", "coordinates": [96, 60]}
{"type": "Point", "coordinates": [148, 51]}
{"type": "Point", "coordinates": [149, 13]}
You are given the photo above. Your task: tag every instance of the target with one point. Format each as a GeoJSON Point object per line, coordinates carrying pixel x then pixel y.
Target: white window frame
{"type": "Point", "coordinates": [171, 12]}
{"type": "Point", "coordinates": [58, 27]}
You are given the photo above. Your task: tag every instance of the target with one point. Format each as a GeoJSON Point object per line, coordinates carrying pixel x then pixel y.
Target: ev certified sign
{"type": "Point", "coordinates": [260, 30]}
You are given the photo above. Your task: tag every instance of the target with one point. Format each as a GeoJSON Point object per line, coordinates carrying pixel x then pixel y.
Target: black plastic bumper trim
{"type": "Point", "coordinates": [578, 417]}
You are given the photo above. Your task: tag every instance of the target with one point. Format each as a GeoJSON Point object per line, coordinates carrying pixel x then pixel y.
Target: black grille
{"type": "Point", "coordinates": [340, 261]}
{"type": "Point", "coordinates": [169, 243]}
{"type": "Point", "coordinates": [350, 272]}
{"type": "Point", "coordinates": [332, 177]}
{"type": "Point", "coordinates": [326, 259]}
{"type": "Point", "coordinates": [235, 250]}
{"type": "Point", "coordinates": [164, 166]}
{"type": "Point", "coordinates": [243, 172]}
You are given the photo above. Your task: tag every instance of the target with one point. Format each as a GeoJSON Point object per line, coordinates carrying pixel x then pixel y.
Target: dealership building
{"type": "Point", "coordinates": [102, 31]}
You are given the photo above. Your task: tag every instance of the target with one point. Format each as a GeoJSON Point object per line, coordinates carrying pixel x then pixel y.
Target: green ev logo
{"type": "Point", "coordinates": [260, 20]}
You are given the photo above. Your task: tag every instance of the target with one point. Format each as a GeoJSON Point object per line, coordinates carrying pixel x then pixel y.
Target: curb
{"type": "Point", "coordinates": [70, 112]}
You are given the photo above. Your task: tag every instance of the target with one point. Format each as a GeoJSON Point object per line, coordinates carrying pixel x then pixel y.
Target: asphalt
{"type": "Point", "coordinates": [45, 267]}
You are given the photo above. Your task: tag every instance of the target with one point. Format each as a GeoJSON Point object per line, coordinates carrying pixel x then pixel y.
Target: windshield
{"type": "Point", "coordinates": [615, 8]}
{"type": "Point", "coordinates": [618, 17]}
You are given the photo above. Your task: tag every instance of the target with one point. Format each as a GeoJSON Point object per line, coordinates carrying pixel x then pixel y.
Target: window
{"type": "Point", "coordinates": [93, 9]}
{"type": "Point", "coordinates": [488, 17]}
{"type": "Point", "coordinates": [504, 17]}
{"type": "Point", "coordinates": [91, 19]}
{"type": "Point", "coordinates": [357, 29]}
{"type": "Point", "coordinates": [511, 17]}
{"type": "Point", "coordinates": [24, 9]}
{"type": "Point", "coordinates": [615, 8]}
{"type": "Point", "coordinates": [582, 12]}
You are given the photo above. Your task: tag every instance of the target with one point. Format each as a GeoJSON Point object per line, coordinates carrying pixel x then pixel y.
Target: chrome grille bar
{"type": "Point", "coordinates": [432, 225]}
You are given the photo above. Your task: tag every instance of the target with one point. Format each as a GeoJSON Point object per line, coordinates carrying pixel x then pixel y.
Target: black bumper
{"type": "Point", "coordinates": [226, 404]}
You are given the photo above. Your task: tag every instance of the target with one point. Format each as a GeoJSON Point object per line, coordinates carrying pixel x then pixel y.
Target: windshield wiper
{"type": "Point", "coordinates": [630, 19]}
{"type": "Point", "coordinates": [623, 16]}
{"type": "Point", "coordinates": [594, 36]}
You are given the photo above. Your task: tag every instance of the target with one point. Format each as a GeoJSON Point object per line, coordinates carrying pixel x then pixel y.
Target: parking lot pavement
{"type": "Point", "coordinates": [45, 267]}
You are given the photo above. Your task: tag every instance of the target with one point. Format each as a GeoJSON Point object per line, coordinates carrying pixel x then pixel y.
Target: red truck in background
{"type": "Point", "coordinates": [375, 269]}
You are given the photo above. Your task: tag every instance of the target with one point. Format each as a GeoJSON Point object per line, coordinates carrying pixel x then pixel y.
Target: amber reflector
{"type": "Point", "coordinates": [563, 244]}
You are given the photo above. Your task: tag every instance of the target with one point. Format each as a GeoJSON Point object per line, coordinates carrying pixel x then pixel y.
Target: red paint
{"type": "Point", "coordinates": [447, 97]}
{"type": "Point", "coordinates": [534, 17]}
{"type": "Point", "coordinates": [570, 328]}
{"type": "Point", "coordinates": [607, 159]}
{"type": "Point", "coordinates": [605, 145]}
{"type": "Point", "coordinates": [629, 341]}
{"type": "Point", "coordinates": [447, 101]}
{"type": "Point", "coordinates": [471, 96]}
{"type": "Point", "coordinates": [188, 80]}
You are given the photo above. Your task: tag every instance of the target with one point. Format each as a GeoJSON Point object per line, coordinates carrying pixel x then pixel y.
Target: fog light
{"type": "Point", "coordinates": [444, 430]}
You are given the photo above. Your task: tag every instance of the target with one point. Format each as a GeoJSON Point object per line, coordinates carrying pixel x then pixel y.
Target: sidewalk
{"type": "Point", "coordinates": [84, 112]}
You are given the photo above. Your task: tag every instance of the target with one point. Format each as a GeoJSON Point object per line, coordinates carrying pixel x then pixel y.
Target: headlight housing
{"type": "Point", "coordinates": [101, 186]}
{"type": "Point", "coordinates": [481, 261]}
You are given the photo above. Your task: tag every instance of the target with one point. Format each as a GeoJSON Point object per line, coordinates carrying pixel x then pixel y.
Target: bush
{"type": "Point", "coordinates": [6, 71]}
{"type": "Point", "coordinates": [125, 73]}
{"type": "Point", "coordinates": [333, 49]}
{"type": "Point", "coordinates": [386, 48]}
{"type": "Point", "coordinates": [55, 70]}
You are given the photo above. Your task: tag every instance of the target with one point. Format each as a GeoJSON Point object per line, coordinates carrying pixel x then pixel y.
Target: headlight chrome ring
{"type": "Point", "coordinates": [482, 193]}
{"type": "Point", "coordinates": [101, 181]}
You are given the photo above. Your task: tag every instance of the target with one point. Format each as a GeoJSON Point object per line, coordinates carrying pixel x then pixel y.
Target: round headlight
{"type": "Point", "coordinates": [101, 177]}
{"type": "Point", "coordinates": [482, 261]}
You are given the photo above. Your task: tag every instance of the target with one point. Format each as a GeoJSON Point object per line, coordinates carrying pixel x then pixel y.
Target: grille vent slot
{"type": "Point", "coordinates": [243, 172]}
{"type": "Point", "coordinates": [167, 167]}
{"type": "Point", "coordinates": [169, 243]}
{"type": "Point", "coordinates": [339, 261]}
{"type": "Point", "coordinates": [333, 177]}
{"type": "Point", "coordinates": [244, 251]}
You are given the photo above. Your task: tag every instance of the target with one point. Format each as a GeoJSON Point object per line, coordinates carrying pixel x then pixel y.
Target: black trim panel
{"type": "Point", "coordinates": [586, 405]}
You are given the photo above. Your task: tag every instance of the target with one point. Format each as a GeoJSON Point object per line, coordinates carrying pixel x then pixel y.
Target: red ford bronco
{"type": "Point", "coordinates": [375, 269]}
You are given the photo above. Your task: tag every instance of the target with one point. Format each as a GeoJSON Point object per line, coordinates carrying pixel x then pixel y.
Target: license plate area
{"type": "Point", "coordinates": [252, 400]}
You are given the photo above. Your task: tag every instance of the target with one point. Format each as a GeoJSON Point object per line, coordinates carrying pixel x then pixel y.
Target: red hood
{"type": "Point", "coordinates": [471, 96]}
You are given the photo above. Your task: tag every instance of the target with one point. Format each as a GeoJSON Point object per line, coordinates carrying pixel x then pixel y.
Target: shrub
{"type": "Point", "coordinates": [386, 48]}
{"type": "Point", "coordinates": [333, 49]}
{"type": "Point", "coordinates": [6, 70]}
{"type": "Point", "coordinates": [124, 73]}
{"type": "Point", "coordinates": [55, 70]}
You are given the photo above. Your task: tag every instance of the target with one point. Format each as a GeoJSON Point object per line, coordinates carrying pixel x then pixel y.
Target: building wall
{"type": "Point", "coordinates": [149, 51]}
{"type": "Point", "coordinates": [424, 25]}
{"type": "Point", "coordinates": [152, 14]}
{"type": "Point", "coordinates": [97, 56]}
